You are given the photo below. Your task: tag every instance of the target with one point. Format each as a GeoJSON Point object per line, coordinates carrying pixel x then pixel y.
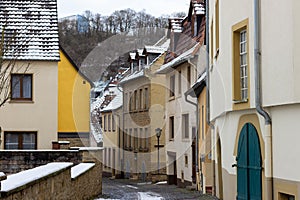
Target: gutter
{"type": "Point", "coordinates": [123, 153]}
{"type": "Point", "coordinates": [186, 94]}
{"type": "Point", "coordinates": [268, 168]}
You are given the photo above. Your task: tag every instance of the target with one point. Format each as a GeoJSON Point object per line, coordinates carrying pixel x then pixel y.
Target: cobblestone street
{"type": "Point", "coordinates": [127, 189]}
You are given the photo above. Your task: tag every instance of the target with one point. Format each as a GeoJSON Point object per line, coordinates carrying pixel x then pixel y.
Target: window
{"type": "Point", "coordinates": [211, 42]}
{"type": "Point", "coordinates": [126, 102]}
{"type": "Point", "coordinates": [243, 64]}
{"type": "Point", "coordinates": [113, 123]}
{"type": "Point", "coordinates": [240, 62]}
{"type": "Point", "coordinates": [130, 101]}
{"type": "Point", "coordinates": [104, 121]}
{"type": "Point", "coordinates": [185, 126]}
{"type": "Point", "coordinates": [135, 145]}
{"type": "Point", "coordinates": [129, 138]}
{"type": "Point", "coordinates": [141, 99]}
{"type": "Point", "coordinates": [136, 96]}
{"type": "Point", "coordinates": [21, 86]}
{"type": "Point", "coordinates": [189, 76]}
{"type": "Point", "coordinates": [179, 82]}
{"type": "Point", "coordinates": [20, 140]}
{"type": "Point", "coordinates": [135, 100]}
{"type": "Point", "coordinates": [172, 86]}
{"type": "Point", "coordinates": [125, 139]}
{"type": "Point", "coordinates": [217, 25]}
{"type": "Point", "coordinates": [146, 137]}
{"type": "Point", "coordinates": [186, 160]}
{"type": "Point", "coordinates": [171, 127]}
{"type": "Point", "coordinates": [146, 98]}
{"type": "Point", "coordinates": [109, 122]}
{"type": "Point", "coordinates": [141, 138]}
{"type": "Point", "coordinates": [283, 196]}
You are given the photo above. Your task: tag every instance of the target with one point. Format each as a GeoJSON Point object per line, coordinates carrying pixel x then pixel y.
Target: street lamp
{"type": "Point", "coordinates": [158, 134]}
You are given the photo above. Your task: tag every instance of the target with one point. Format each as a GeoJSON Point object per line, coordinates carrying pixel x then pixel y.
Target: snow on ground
{"type": "Point", "coordinates": [161, 183]}
{"type": "Point", "coordinates": [149, 196]}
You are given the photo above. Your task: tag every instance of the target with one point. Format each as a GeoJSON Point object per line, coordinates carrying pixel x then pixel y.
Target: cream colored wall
{"type": "Point", "coordinates": [110, 138]}
{"type": "Point", "coordinates": [286, 139]}
{"type": "Point", "coordinates": [39, 115]}
{"type": "Point", "coordinates": [176, 108]}
{"type": "Point", "coordinates": [221, 71]}
{"type": "Point", "coordinates": [280, 86]}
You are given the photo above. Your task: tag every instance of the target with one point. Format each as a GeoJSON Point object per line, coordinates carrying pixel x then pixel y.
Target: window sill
{"type": "Point", "coordinates": [185, 140]}
{"type": "Point", "coordinates": [171, 140]}
{"type": "Point", "coordinates": [172, 98]}
{"type": "Point", "coordinates": [21, 101]}
{"type": "Point", "coordinates": [240, 101]}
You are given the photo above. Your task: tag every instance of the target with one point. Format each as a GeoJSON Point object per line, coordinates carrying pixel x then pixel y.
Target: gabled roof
{"type": "Point", "coordinates": [33, 26]}
{"type": "Point", "coordinates": [198, 87]}
{"type": "Point", "coordinates": [154, 50]}
{"type": "Point", "coordinates": [76, 67]}
{"type": "Point", "coordinates": [116, 103]}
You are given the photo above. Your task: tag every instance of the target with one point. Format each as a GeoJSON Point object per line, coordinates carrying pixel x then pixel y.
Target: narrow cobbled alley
{"type": "Point", "coordinates": [123, 189]}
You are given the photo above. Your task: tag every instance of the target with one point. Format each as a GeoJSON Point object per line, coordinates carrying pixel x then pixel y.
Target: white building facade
{"type": "Point", "coordinates": [254, 68]}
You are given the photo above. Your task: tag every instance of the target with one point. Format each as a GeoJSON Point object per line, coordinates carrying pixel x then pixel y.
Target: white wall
{"type": "Point", "coordinates": [41, 114]}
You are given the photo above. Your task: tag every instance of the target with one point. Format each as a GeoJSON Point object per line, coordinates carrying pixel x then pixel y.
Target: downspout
{"type": "Point", "coordinates": [123, 153]}
{"type": "Point", "coordinates": [197, 137]}
{"type": "Point", "coordinates": [207, 37]}
{"type": "Point", "coordinates": [268, 133]}
{"type": "Point", "coordinates": [197, 140]}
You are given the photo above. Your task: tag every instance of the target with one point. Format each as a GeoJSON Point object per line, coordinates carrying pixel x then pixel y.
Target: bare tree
{"type": "Point", "coordinates": [10, 48]}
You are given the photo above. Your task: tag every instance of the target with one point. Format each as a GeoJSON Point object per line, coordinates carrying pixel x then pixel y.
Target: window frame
{"type": "Point", "coordinates": [21, 92]}
{"type": "Point", "coordinates": [20, 139]}
{"type": "Point", "coordinates": [172, 86]}
{"type": "Point", "coordinates": [171, 127]}
{"type": "Point", "coordinates": [238, 102]}
{"type": "Point", "coordinates": [185, 126]}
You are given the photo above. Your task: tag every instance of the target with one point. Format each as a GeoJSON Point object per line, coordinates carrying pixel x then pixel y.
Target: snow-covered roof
{"type": "Point", "coordinates": [99, 101]}
{"type": "Point", "coordinates": [80, 169]}
{"type": "Point", "coordinates": [134, 75]}
{"type": "Point", "coordinates": [17, 180]}
{"type": "Point", "coordinates": [178, 60]}
{"type": "Point", "coordinates": [32, 26]}
{"type": "Point", "coordinates": [116, 103]}
{"type": "Point", "coordinates": [132, 56]}
{"type": "Point", "coordinates": [155, 49]}
{"type": "Point", "coordinates": [140, 52]}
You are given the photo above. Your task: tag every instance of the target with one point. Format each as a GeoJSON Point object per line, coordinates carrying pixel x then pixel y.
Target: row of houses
{"type": "Point", "coordinates": [46, 97]}
{"type": "Point", "coordinates": [218, 108]}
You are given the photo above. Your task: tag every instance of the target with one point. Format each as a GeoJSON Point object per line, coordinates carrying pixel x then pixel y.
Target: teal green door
{"type": "Point", "coordinates": [249, 165]}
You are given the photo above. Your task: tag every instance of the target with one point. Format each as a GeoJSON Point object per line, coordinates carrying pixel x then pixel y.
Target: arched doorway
{"type": "Point", "coordinates": [249, 163]}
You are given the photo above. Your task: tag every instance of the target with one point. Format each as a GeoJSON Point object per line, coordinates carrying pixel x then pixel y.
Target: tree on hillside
{"type": "Point", "coordinates": [79, 44]}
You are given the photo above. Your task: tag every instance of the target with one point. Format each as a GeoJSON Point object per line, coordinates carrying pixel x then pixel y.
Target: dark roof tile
{"type": "Point", "coordinates": [31, 29]}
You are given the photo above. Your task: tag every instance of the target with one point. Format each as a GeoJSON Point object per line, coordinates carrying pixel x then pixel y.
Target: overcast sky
{"type": "Point", "coordinates": [107, 7]}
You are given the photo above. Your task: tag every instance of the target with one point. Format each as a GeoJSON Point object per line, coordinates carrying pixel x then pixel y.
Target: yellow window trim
{"type": "Point", "coordinates": [238, 103]}
{"type": "Point", "coordinates": [217, 28]}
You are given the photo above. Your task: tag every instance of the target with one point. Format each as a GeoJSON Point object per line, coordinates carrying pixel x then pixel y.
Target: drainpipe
{"type": "Point", "coordinates": [268, 132]}
{"type": "Point", "coordinates": [123, 145]}
{"type": "Point", "coordinates": [197, 140]}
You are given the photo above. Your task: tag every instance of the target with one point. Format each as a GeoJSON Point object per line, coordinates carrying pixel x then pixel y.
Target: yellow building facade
{"type": "Point", "coordinates": [73, 103]}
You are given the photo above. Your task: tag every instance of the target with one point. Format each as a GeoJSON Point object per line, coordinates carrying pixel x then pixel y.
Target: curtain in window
{"type": "Point", "coordinates": [27, 87]}
{"type": "Point", "coordinates": [16, 87]}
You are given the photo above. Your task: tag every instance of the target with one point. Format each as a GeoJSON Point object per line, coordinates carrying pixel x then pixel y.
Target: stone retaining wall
{"type": "Point", "coordinates": [60, 185]}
